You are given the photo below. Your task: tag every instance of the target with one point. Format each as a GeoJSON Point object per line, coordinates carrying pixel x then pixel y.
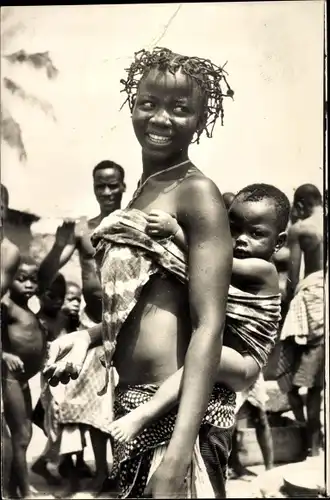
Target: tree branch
{"type": "Point", "coordinates": [39, 60]}
{"type": "Point", "coordinates": [11, 133]}
{"type": "Point", "coordinates": [16, 89]}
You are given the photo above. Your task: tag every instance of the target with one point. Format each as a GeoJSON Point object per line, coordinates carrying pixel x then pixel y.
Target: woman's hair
{"type": "Point", "coordinates": [209, 77]}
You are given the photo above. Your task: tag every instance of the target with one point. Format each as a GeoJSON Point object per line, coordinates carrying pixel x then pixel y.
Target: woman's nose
{"type": "Point", "coordinates": [161, 117]}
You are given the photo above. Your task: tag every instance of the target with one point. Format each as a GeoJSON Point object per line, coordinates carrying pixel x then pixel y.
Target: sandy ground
{"type": "Point", "coordinates": [265, 484]}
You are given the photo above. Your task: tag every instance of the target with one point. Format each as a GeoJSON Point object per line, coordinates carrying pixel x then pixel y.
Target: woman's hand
{"type": "Point", "coordinates": [66, 357]}
{"type": "Point", "coordinates": [168, 481]}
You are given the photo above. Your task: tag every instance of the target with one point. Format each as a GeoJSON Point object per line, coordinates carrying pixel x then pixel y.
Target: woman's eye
{"type": "Point", "coordinates": [147, 105]}
{"type": "Point", "coordinates": [180, 109]}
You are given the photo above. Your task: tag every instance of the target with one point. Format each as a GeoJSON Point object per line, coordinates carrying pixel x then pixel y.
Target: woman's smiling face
{"type": "Point", "coordinates": [167, 112]}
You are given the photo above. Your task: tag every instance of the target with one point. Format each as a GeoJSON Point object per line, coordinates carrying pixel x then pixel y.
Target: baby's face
{"type": "Point", "coordinates": [253, 228]}
{"type": "Point", "coordinates": [72, 301]}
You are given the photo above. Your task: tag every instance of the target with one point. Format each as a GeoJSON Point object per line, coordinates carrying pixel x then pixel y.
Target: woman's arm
{"type": "Point", "coordinates": [210, 264]}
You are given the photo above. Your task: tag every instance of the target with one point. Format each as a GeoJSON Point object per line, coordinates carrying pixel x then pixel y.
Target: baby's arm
{"type": "Point", "coordinates": [253, 270]}
{"type": "Point", "coordinates": [60, 253]}
{"type": "Point", "coordinates": [164, 225]}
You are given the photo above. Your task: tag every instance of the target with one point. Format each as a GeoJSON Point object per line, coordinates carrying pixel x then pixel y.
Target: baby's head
{"type": "Point", "coordinates": [25, 282]}
{"type": "Point", "coordinates": [173, 98]}
{"type": "Point", "coordinates": [72, 301]}
{"type": "Point", "coordinates": [258, 219]}
{"type": "Point", "coordinates": [51, 301]}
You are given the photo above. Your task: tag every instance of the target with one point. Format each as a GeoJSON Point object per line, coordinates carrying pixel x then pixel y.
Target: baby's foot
{"type": "Point", "coordinates": [128, 427]}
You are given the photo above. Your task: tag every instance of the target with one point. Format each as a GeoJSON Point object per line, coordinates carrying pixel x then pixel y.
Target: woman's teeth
{"type": "Point", "coordinates": [159, 139]}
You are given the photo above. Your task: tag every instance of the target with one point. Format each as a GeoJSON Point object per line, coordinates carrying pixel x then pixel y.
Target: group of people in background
{"type": "Point", "coordinates": [182, 266]}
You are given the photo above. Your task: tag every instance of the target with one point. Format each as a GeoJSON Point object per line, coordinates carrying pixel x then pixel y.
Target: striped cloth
{"type": "Point", "coordinates": [255, 320]}
{"type": "Point", "coordinates": [302, 356]}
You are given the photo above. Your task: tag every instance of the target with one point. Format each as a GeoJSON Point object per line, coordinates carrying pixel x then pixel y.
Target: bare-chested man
{"type": "Point", "coordinates": [109, 186]}
{"type": "Point", "coordinates": [301, 362]}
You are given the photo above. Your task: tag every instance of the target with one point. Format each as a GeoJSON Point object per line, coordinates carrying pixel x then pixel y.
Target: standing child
{"type": "Point", "coordinates": [24, 346]}
{"type": "Point", "coordinates": [60, 315]}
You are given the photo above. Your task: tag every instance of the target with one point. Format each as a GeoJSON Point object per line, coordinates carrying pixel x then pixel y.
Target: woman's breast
{"type": "Point", "coordinates": [154, 339]}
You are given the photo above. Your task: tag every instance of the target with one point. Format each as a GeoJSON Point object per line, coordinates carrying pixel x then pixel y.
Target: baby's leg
{"type": "Point", "coordinates": [167, 396]}
{"type": "Point", "coordinates": [18, 412]}
{"type": "Point", "coordinates": [236, 371]}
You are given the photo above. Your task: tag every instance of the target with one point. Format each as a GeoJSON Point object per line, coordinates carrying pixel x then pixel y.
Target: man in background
{"type": "Point", "coordinates": [302, 356]}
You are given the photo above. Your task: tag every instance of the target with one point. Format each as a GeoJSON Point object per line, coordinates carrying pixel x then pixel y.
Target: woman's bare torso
{"type": "Point", "coordinates": [154, 339]}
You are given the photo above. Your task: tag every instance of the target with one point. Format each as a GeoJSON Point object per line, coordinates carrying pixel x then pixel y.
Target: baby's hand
{"type": "Point", "coordinates": [65, 234]}
{"type": "Point", "coordinates": [13, 362]}
{"type": "Point", "coordinates": [161, 224]}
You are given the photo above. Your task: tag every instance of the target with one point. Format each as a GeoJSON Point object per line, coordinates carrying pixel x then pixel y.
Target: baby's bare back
{"type": "Point", "coordinates": [22, 335]}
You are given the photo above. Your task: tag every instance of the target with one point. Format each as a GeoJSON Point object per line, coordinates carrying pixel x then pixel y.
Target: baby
{"type": "Point", "coordinates": [258, 218]}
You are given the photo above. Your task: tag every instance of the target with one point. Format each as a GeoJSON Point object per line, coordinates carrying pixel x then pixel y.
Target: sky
{"type": "Point", "coordinates": [273, 129]}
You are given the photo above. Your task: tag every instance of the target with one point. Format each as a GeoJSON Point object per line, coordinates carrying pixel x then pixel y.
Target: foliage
{"type": "Point", "coordinates": [11, 131]}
